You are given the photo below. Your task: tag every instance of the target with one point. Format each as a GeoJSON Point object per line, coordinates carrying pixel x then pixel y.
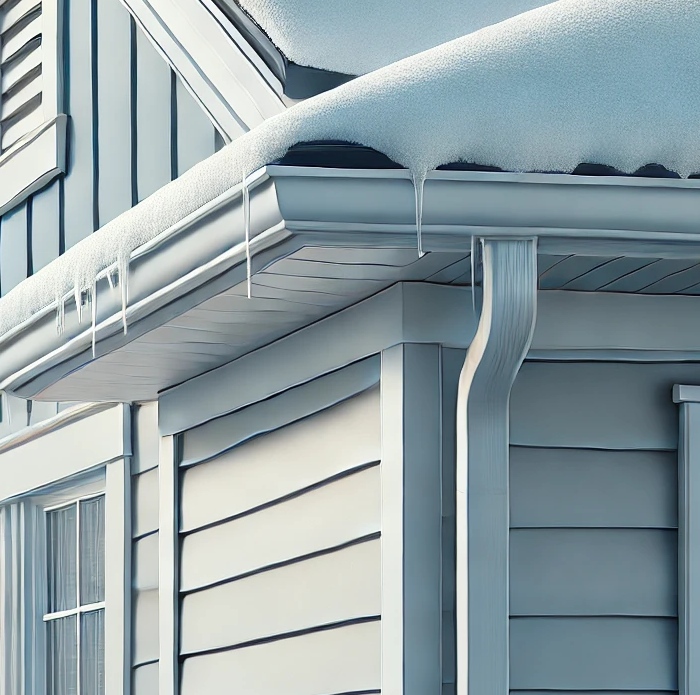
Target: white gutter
{"type": "Point", "coordinates": [292, 207]}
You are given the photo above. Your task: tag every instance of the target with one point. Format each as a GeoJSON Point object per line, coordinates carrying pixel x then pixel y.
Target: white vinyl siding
{"type": "Point", "coordinates": [593, 527]}
{"type": "Point", "coordinates": [299, 588]}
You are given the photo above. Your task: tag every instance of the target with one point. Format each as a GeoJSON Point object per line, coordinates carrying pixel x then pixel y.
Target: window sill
{"type": "Point", "coordinates": [32, 162]}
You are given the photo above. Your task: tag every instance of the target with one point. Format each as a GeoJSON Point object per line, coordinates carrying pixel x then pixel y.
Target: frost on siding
{"type": "Point", "coordinates": [357, 36]}
{"type": "Point", "coordinates": [615, 82]}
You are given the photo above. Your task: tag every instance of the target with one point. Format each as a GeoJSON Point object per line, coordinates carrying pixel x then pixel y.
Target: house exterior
{"type": "Point", "coordinates": [282, 452]}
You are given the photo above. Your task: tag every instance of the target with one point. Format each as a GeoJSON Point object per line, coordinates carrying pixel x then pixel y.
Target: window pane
{"type": "Point", "coordinates": [61, 562]}
{"type": "Point", "coordinates": [92, 653]}
{"type": "Point", "coordinates": [62, 656]}
{"type": "Point", "coordinates": [92, 551]}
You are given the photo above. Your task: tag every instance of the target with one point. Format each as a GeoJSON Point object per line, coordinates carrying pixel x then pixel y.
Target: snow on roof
{"type": "Point", "coordinates": [613, 82]}
{"type": "Point", "coordinates": [358, 36]}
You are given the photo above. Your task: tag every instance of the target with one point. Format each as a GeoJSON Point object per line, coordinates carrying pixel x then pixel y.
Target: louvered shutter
{"type": "Point", "coordinates": [20, 70]}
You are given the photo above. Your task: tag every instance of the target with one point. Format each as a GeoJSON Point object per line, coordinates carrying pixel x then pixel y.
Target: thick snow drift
{"type": "Point", "coordinates": [358, 36]}
{"type": "Point", "coordinates": [613, 82]}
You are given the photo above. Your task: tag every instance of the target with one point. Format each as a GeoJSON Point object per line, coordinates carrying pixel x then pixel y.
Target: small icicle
{"type": "Point", "coordinates": [418, 186]}
{"type": "Point", "coordinates": [6, 407]}
{"type": "Point", "coordinates": [60, 313]}
{"type": "Point", "coordinates": [93, 312]}
{"type": "Point", "coordinates": [123, 270]}
{"type": "Point", "coordinates": [59, 302]}
{"type": "Point", "coordinates": [78, 294]}
{"type": "Point", "coordinates": [472, 260]}
{"type": "Point", "coordinates": [246, 223]}
{"type": "Point", "coordinates": [110, 280]}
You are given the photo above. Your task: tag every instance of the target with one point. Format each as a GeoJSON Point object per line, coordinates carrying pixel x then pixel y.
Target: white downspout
{"type": "Point", "coordinates": [502, 340]}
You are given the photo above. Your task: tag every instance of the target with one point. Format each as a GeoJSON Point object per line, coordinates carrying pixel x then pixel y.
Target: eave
{"type": "Point", "coordinates": [303, 219]}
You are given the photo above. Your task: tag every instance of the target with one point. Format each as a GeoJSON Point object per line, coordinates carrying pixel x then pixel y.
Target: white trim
{"type": "Point", "coordinates": [686, 394]}
{"type": "Point", "coordinates": [118, 577]}
{"type": "Point", "coordinates": [214, 69]}
{"type": "Point", "coordinates": [90, 608]}
{"type": "Point", "coordinates": [411, 546]}
{"type": "Point", "coordinates": [499, 347]}
{"type": "Point", "coordinates": [688, 533]}
{"type": "Point", "coordinates": [168, 563]}
{"type": "Point", "coordinates": [32, 162]}
{"type": "Point", "coordinates": [58, 453]}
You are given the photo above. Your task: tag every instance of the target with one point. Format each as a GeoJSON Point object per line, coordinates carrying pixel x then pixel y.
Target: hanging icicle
{"type": "Point", "coordinates": [418, 187]}
{"type": "Point", "coordinates": [110, 279]}
{"type": "Point", "coordinates": [6, 407]}
{"type": "Point", "coordinates": [78, 296]}
{"type": "Point", "coordinates": [246, 224]}
{"type": "Point", "coordinates": [93, 314]}
{"type": "Point", "coordinates": [123, 273]}
{"type": "Point", "coordinates": [472, 259]}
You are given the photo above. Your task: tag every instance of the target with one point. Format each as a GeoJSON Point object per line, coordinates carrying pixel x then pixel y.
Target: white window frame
{"type": "Point", "coordinates": [75, 500]}
{"type": "Point", "coordinates": [79, 453]}
{"type": "Point", "coordinates": [40, 156]}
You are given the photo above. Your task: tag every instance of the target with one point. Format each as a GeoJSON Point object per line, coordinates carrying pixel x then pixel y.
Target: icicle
{"type": "Point", "coordinates": [78, 294]}
{"type": "Point", "coordinates": [60, 313]}
{"type": "Point", "coordinates": [123, 270]}
{"type": "Point", "coordinates": [93, 312]}
{"type": "Point", "coordinates": [110, 279]}
{"type": "Point", "coordinates": [246, 223]}
{"type": "Point", "coordinates": [473, 271]}
{"type": "Point", "coordinates": [59, 316]}
{"type": "Point", "coordinates": [6, 408]}
{"type": "Point", "coordinates": [418, 186]}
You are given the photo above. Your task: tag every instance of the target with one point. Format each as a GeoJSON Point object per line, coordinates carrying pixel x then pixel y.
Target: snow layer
{"type": "Point", "coordinates": [614, 82]}
{"type": "Point", "coordinates": [358, 36]}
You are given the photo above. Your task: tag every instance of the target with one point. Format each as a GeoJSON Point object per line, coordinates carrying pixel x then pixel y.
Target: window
{"type": "Point", "coordinates": [75, 601]}
{"type": "Point", "coordinates": [65, 542]}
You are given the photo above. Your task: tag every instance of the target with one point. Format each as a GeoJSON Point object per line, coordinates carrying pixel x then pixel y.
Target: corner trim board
{"type": "Point", "coordinates": [411, 484]}
{"type": "Point", "coordinates": [502, 340]}
{"type": "Point", "coordinates": [688, 533]}
{"type": "Point", "coordinates": [168, 563]}
{"type": "Point", "coordinates": [118, 578]}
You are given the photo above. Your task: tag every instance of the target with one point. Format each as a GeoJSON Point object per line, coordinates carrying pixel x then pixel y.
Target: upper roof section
{"type": "Point", "coordinates": [363, 35]}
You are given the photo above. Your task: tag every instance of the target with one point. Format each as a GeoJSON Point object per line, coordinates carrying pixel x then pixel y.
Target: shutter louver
{"type": "Point", "coordinates": [20, 70]}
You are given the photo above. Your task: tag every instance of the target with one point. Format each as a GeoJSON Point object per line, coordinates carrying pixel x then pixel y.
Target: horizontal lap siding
{"type": "Point", "coordinates": [350, 509]}
{"type": "Point", "coordinates": [594, 515]}
{"type": "Point", "coordinates": [280, 555]}
{"type": "Point", "coordinates": [281, 463]}
{"type": "Point", "coordinates": [341, 660]}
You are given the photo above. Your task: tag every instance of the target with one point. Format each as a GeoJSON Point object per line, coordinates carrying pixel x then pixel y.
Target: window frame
{"type": "Point", "coordinates": [80, 608]}
{"type": "Point", "coordinates": [39, 156]}
{"type": "Point", "coordinates": [89, 448]}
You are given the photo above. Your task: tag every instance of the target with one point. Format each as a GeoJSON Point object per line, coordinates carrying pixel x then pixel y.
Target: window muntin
{"type": "Point", "coordinates": [75, 601]}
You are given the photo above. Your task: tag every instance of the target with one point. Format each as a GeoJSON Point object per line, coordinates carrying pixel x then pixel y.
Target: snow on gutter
{"type": "Point", "coordinates": [616, 82]}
